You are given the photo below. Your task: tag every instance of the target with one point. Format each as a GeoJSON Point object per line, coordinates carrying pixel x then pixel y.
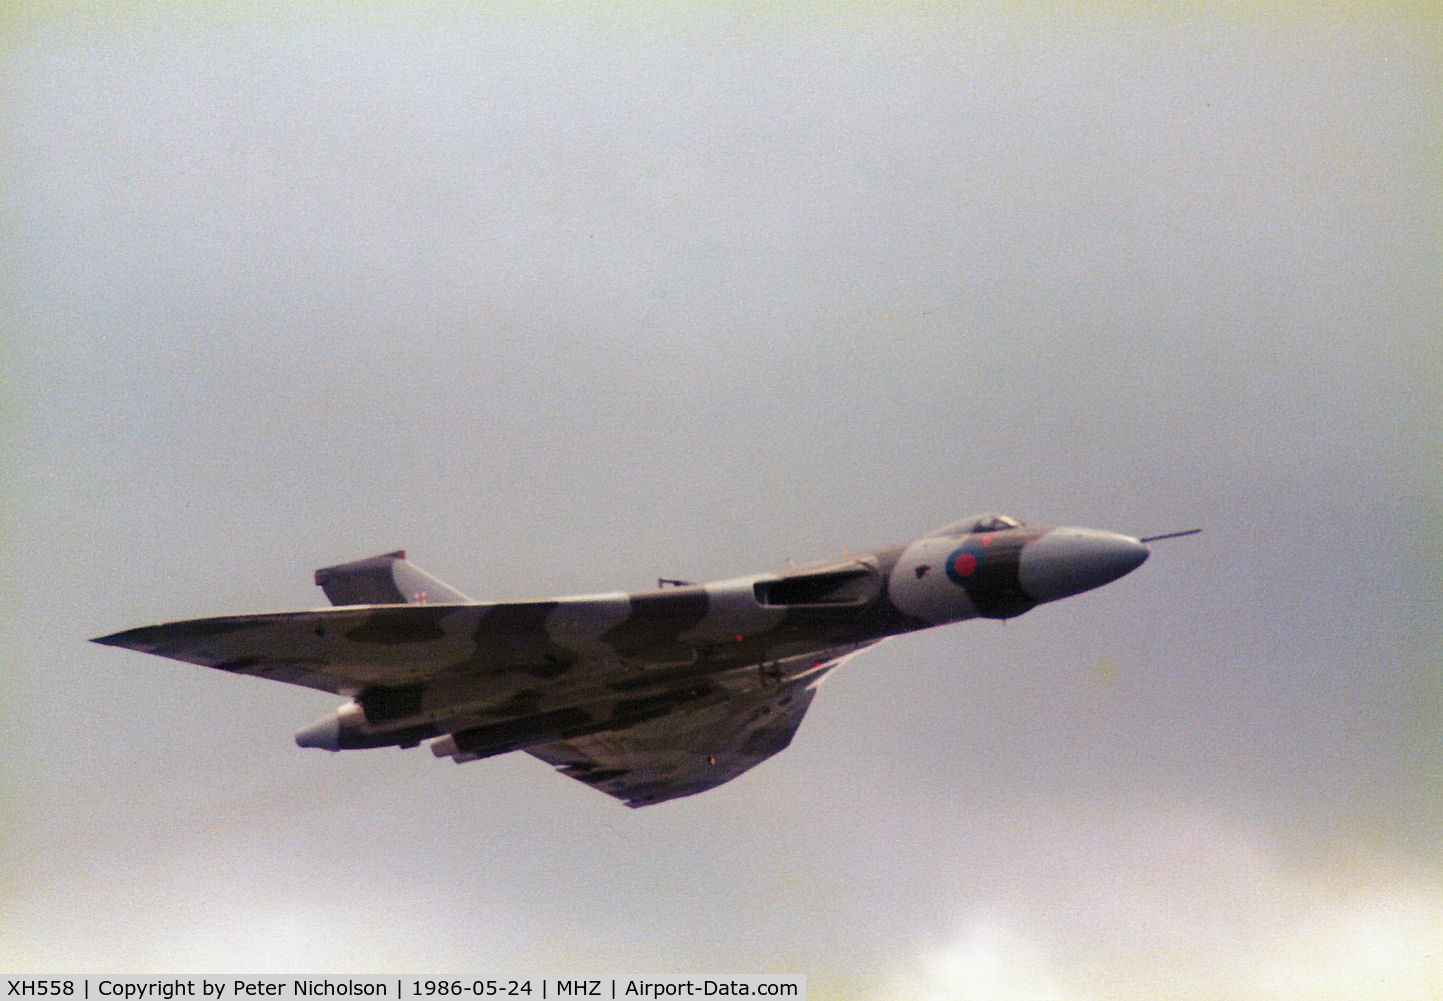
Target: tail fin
{"type": "Point", "coordinates": [385, 580]}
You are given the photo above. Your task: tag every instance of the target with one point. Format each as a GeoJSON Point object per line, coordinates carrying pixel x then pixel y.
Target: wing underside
{"type": "Point", "coordinates": [693, 748]}
{"type": "Point", "coordinates": [686, 751]}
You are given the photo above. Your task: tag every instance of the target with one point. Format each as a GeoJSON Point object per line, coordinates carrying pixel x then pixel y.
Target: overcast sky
{"type": "Point", "coordinates": [560, 299]}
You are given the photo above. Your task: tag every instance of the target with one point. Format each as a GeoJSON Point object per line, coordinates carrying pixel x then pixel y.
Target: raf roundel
{"type": "Point", "coordinates": [962, 564]}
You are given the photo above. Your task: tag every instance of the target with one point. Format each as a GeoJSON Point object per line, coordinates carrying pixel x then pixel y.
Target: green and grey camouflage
{"type": "Point", "coordinates": [646, 696]}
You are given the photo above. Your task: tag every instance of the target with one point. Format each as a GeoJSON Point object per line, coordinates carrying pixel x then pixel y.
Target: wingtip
{"type": "Point", "coordinates": [142, 638]}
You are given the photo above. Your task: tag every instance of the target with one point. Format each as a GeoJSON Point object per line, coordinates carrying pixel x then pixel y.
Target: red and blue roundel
{"type": "Point", "coordinates": [963, 564]}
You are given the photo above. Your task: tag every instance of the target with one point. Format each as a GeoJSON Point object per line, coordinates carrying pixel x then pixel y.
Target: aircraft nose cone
{"type": "Point", "coordinates": [1069, 561]}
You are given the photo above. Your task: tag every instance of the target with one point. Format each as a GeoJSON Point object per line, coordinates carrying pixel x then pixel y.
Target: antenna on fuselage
{"type": "Point", "coordinates": [1171, 535]}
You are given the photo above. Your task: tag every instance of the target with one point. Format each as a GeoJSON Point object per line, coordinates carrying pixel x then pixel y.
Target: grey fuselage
{"type": "Point", "coordinates": [513, 674]}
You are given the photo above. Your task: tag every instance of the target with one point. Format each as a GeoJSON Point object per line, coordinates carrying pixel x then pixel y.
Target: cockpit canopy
{"type": "Point", "coordinates": [980, 523]}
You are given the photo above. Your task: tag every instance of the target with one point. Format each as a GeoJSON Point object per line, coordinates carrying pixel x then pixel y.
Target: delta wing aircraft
{"type": "Point", "coordinates": [646, 696]}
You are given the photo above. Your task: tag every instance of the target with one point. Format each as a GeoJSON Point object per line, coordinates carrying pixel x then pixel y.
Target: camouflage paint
{"type": "Point", "coordinates": [645, 696]}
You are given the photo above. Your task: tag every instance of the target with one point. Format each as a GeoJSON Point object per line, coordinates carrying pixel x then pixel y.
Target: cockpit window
{"type": "Point", "coordinates": [981, 523]}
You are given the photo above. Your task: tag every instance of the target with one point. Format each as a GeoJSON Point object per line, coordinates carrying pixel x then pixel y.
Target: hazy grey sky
{"type": "Point", "coordinates": [561, 299]}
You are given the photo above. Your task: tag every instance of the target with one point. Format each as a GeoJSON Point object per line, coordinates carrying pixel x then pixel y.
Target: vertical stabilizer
{"type": "Point", "coordinates": [387, 579]}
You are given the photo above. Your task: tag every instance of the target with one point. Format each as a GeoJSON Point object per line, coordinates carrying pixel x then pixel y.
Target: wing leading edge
{"type": "Point", "coordinates": [338, 650]}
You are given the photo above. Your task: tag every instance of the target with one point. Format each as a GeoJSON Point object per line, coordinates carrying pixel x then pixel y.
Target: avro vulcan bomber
{"type": "Point", "coordinates": [646, 696]}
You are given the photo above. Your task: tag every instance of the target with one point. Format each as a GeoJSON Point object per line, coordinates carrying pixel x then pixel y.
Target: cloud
{"type": "Point", "coordinates": [1128, 903]}
{"type": "Point", "coordinates": [989, 960]}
